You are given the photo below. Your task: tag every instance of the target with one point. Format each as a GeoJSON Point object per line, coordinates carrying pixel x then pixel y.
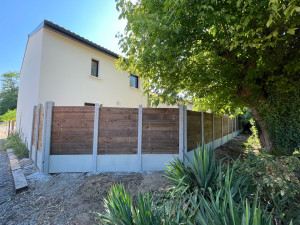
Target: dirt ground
{"type": "Point", "coordinates": [233, 148]}
{"type": "Point", "coordinates": [73, 198]}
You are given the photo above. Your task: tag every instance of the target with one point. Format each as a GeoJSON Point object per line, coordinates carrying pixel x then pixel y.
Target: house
{"type": "Point", "coordinates": [74, 73]}
{"type": "Point", "coordinates": [65, 68]}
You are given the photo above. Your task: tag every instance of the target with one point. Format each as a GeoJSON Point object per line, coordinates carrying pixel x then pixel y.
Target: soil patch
{"type": "Point", "coordinates": [233, 148]}
{"type": "Point", "coordinates": [71, 198]}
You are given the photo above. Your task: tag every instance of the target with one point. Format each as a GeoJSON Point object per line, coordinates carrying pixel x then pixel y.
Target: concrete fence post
{"type": "Point", "coordinates": [140, 138]}
{"type": "Point", "coordinates": [47, 136]}
{"type": "Point", "coordinates": [228, 129]}
{"type": "Point", "coordinates": [235, 124]}
{"type": "Point", "coordinates": [202, 129]}
{"type": "Point", "coordinates": [232, 128]}
{"type": "Point", "coordinates": [221, 130]}
{"type": "Point", "coordinates": [38, 108]}
{"type": "Point", "coordinates": [182, 131]}
{"type": "Point", "coordinates": [32, 128]}
{"type": "Point", "coordinates": [213, 131]}
{"type": "Point", "coordinates": [95, 137]}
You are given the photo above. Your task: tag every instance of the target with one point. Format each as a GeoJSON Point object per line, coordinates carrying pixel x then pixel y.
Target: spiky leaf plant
{"type": "Point", "coordinates": [200, 172]}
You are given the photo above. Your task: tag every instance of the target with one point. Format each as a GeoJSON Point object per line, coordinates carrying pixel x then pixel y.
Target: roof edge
{"type": "Point", "coordinates": [76, 37]}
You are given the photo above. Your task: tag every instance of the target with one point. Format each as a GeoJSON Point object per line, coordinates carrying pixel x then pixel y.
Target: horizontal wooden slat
{"type": "Point", "coordinates": [160, 150]}
{"type": "Point", "coordinates": [73, 109]}
{"type": "Point", "coordinates": [113, 110]}
{"type": "Point", "coordinates": [172, 111]}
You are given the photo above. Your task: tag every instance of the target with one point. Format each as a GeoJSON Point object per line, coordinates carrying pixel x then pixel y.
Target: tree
{"type": "Point", "coordinates": [221, 55]}
{"type": "Point", "coordinates": [9, 115]}
{"type": "Point", "coordinates": [9, 92]}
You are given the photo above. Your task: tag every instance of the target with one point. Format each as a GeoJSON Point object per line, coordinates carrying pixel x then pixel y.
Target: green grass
{"type": "Point", "coordinates": [15, 142]}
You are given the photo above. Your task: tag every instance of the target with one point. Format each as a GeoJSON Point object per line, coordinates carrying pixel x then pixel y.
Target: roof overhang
{"type": "Point", "coordinates": [73, 36]}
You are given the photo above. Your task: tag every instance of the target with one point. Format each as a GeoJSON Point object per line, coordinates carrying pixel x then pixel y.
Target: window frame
{"type": "Point", "coordinates": [97, 71]}
{"type": "Point", "coordinates": [137, 85]}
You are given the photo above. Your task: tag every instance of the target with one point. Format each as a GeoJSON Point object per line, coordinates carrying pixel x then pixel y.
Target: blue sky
{"type": "Point", "coordinates": [96, 20]}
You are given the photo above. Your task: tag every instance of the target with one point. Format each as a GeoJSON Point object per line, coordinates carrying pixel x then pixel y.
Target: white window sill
{"type": "Point", "coordinates": [98, 78]}
{"type": "Point", "coordinates": [138, 89]}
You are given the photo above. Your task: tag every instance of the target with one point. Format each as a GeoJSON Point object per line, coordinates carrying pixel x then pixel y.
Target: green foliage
{"type": "Point", "coordinates": [279, 187]}
{"type": "Point", "coordinates": [221, 209]}
{"type": "Point", "coordinates": [220, 55]}
{"type": "Point", "coordinates": [9, 115]}
{"type": "Point", "coordinates": [246, 116]}
{"type": "Point", "coordinates": [202, 171]}
{"type": "Point", "coordinates": [15, 142]}
{"type": "Point", "coordinates": [282, 115]}
{"type": "Point", "coordinates": [253, 140]}
{"type": "Point", "coordinates": [122, 210]}
{"type": "Point", "coordinates": [258, 190]}
{"type": "Point", "coordinates": [9, 92]}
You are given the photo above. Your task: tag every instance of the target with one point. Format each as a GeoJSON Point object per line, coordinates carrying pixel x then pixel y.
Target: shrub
{"type": "Point", "coordinates": [258, 190]}
{"type": "Point", "coordinates": [279, 187]}
{"type": "Point", "coordinates": [15, 142]}
{"type": "Point", "coordinates": [121, 210]}
{"type": "Point", "coordinates": [253, 140]}
{"type": "Point", "coordinates": [202, 171]}
{"type": "Point", "coordinates": [221, 209]}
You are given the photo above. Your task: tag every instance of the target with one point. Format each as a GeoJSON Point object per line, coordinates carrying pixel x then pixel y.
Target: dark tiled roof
{"type": "Point", "coordinates": [76, 37]}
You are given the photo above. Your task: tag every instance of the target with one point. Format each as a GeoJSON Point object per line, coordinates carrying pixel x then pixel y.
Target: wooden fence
{"type": "Point", "coordinates": [126, 131]}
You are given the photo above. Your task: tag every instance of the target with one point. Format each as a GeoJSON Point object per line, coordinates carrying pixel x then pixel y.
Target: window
{"type": "Point", "coordinates": [94, 68]}
{"type": "Point", "coordinates": [134, 81]}
{"type": "Point", "coordinates": [89, 104]}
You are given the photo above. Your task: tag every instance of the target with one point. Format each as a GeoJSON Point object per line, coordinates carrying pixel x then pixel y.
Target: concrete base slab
{"type": "Point", "coordinates": [18, 175]}
{"type": "Point", "coordinates": [19, 180]}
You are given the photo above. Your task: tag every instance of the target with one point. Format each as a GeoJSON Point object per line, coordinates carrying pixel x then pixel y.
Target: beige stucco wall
{"type": "Point", "coordinates": [29, 84]}
{"type": "Point", "coordinates": [65, 76]}
{"type": "Point", "coordinates": [57, 68]}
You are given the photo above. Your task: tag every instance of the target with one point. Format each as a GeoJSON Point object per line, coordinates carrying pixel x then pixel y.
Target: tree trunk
{"type": "Point", "coordinates": [265, 141]}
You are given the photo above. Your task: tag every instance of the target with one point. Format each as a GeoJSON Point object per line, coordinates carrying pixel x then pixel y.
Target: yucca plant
{"type": "Point", "coordinates": [118, 206]}
{"type": "Point", "coordinates": [239, 184]}
{"type": "Point", "coordinates": [200, 172]}
{"type": "Point", "coordinates": [122, 210]}
{"type": "Point", "coordinates": [221, 209]}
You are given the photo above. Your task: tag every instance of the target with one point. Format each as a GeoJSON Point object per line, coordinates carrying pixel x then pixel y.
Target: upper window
{"type": "Point", "coordinates": [89, 104]}
{"type": "Point", "coordinates": [94, 68]}
{"type": "Point", "coordinates": [134, 81]}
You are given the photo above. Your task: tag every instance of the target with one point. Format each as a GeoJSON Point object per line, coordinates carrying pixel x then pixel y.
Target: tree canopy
{"type": "Point", "coordinates": [9, 115]}
{"type": "Point", "coordinates": [221, 55]}
{"type": "Point", "coordinates": [9, 92]}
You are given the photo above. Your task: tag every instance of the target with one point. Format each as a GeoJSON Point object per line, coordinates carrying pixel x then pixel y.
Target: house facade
{"type": "Point", "coordinates": [69, 70]}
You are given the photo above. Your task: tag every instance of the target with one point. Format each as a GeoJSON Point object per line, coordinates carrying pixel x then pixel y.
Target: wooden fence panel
{"type": "Point", "coordinates": [234, 125]}
{"type": "Point", "coordinates": [41, 126]}
{"type": "Point", "coordinates": [225, 126]}
{"type": "Point", "coordinates": [217, 127]}
{"type": "Point", "coordinates": [118, 131]}
{"type": "Point", "coordinates": [230, 126]}
{"type": "Point", "coordinates": [34, 128]}
{"type": "Point", "coordinates": [160, 131]}
{"type": "Point", "coordinates": [72, 130]}
{"type": "Point", "coordinates": [193, 130]}
{"type": "Point", "coordinates": [207, 127]}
